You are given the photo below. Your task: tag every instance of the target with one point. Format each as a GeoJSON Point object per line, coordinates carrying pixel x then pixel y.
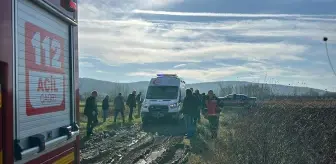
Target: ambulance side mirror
{"type": "Point", "coordinates": [180, 96]}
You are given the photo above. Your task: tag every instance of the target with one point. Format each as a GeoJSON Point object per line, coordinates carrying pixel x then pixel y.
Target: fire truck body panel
{"type": "Point", "coordinates": [39, 82]}
{"type": "Point", "coordinates": [41, 85]}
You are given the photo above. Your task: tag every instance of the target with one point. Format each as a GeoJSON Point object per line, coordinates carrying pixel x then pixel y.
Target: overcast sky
{"type": "Point", "coordinates": [209, 40]}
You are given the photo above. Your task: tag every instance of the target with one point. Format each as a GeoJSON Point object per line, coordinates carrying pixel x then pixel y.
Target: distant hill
{"type": "Point", "coordinates": [87, 85]}
{"type": "Point", "coordinates": [106, 87]}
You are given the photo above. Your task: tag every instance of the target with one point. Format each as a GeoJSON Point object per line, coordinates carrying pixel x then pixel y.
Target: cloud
{"type": "Point", "coordinates": [211, 73]}
{"type": "Point", "coordinates": [101, 71]}
{"type": "Point", "coordinates": [118, 9]}
{"type": "Point", "coordinates": [321, 63]}
{"type": "Point", "coordinates": [253, 72]}
{"type": "Point", "coordinates": [237, 15]}
{"type": "Point", "coordinates": [86, 64]}
{"type": "Point", "coordinates": [156, 3]}
{"type": "Point", "coordinates": [141, 41]}
{"type": "Point", "coordinates": [268, 42]}
{"type": "Point", "coordinates": [179, 65]}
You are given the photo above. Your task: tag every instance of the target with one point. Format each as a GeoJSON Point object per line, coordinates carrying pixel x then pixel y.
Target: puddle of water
{"type": "Point", "coordinates": [155, 154]}
{"type": "Point", "coordinates": [133, 142]}
{"type": "Point", "coordinates": [141, 161]}
{"type": "Point", "coordinates": [142, 134]}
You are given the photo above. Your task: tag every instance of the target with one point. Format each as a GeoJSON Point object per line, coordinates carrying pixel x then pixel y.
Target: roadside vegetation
{"type": "Point", "coordinates": [274, 132]}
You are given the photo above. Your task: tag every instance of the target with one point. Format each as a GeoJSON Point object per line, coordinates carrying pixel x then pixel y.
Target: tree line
{"type": "Point", "coordinates": [265, 91]}
{"type": "Point", "coordinates": [125, 90]}
{"type": "Point", "coordinates": [261, 91]}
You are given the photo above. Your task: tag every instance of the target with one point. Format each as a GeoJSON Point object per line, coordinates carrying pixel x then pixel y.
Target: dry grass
{"type": "Point", "coordinates": [276, 132]}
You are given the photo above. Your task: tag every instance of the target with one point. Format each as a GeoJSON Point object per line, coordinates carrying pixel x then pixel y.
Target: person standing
{"type": "Point", "coordinates": [212, 103]}
{"type": "Point", "coordinates": [119, 107]}
{"type": "Point", "coordinates": [91, 112]}
{"type": "Point", "coordinates": [131, 103]}
{"type": "Point", "coordinates": [203, 103]}
{"type": "Point", "coordinates": [189, 110]}
{"type": "Point", "coordinates": [139, 102]}
{"type": "Point", "coordinates": [199, 104]}
{"type": "Point", "coordinates": [105, 107]}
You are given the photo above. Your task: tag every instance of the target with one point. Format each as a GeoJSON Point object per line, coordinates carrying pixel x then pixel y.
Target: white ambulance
{"type": "Point", "coordinates": [164, 97]}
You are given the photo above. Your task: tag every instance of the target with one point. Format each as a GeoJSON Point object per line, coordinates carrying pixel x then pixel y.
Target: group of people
{"type": "Point", "coordinates": [91, 109]}
{"type": "Point", "coordinates": [194, 104]}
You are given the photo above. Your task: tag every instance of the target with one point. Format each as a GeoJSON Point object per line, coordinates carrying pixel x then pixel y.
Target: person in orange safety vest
{"type": "Point", "coordinates": [213, 105]}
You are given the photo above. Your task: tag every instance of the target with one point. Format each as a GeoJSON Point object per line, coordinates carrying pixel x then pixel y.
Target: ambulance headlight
{"type": "Point", "coordinates": [173, 105]}
{"type": "Point", "coordinates": [145, 105]}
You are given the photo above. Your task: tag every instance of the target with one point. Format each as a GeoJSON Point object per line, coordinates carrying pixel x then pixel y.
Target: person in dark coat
{"type": "Point", "coordinates": [105, 107]}
{"type": "Point", "coordinates": [91, 112]}
{"type": "Point", "coordinates": [139, 102]}
{"type": "Point", "coordinates": [131, 103]}
{"type": "Point", "coordinates": [119, 107]}
{"type": "Point", "coordinates": [199, 104]}
{"type": "Point", "coordinates": [203, 103]}
{"type": "Point", "coordinates": [189, 110]}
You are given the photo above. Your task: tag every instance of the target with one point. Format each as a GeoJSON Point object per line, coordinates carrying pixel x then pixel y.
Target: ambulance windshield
{"type": "Point", "coordinates": [162, 92]}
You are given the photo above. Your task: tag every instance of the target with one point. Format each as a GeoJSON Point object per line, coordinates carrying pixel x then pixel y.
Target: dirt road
{"type": "Point", "coordinates": [157, 143]}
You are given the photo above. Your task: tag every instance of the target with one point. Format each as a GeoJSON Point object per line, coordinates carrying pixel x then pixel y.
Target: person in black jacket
{"type": "Point", "coordinates": [106, 107]}
{"type": "Point", "coordinates": [131, 103]}
{"type": "Point", "coordinates": [199, 105]}
{"type": "Point", "coordinates": [189, 110]}
{"type": "Point", "coordinates": [203, 103]}
{"type": "Point", "coordinates": [91, 112]}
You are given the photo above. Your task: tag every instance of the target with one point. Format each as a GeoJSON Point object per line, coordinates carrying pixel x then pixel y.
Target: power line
{"type": "Point", "coordinates": [325, 39]}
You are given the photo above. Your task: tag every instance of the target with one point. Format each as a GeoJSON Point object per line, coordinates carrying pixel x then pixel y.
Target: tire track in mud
{"type": "Point", "coordinates": [164, 149]}
{"type": "Point", "coordinates": [149, 153]}
{"type": "Point", "coordinates": [108, 144]}
{"type": "Point", "coordinates": [133, 146]}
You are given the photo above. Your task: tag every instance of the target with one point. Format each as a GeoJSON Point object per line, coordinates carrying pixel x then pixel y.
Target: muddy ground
{"type": "Point", "coordinates": [155, 143]}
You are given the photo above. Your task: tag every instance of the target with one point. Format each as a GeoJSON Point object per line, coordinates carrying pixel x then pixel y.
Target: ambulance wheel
{"type": "Point", "coordinates": [177, 121]}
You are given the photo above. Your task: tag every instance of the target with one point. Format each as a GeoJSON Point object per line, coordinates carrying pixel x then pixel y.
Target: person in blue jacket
{"type": "Point", "coordinates": [190, 111]}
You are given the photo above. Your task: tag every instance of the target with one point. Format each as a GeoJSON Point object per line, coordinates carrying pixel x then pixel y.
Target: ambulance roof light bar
{"type": "Point", "coordinates": [166, 75]}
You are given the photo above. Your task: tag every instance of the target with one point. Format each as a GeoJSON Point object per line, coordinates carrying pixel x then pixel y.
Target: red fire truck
{"type": "Point", "coordinates": [39, 100]}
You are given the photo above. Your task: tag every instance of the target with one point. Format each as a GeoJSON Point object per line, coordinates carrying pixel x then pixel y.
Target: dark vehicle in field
{"type": "Point", "coordinates": [238, 100]}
